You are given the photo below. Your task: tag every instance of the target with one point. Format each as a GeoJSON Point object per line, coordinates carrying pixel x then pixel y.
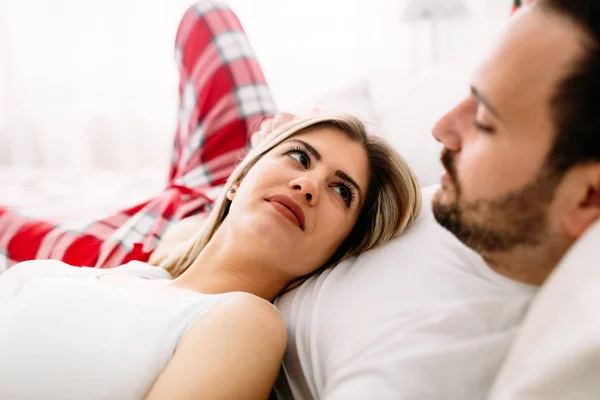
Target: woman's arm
{"type": "Point", "coordinates": [234, 352]}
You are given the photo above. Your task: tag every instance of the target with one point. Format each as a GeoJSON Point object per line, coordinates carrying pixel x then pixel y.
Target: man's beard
{"type": "Point", "coordinates": [498, 225]}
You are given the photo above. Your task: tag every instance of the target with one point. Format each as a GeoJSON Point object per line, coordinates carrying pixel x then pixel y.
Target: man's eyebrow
{"type": "Point", "coordinates": [482, 99]}
{"type": "Point", "coordinates": [340, 174]}
{"type": "Point", "coordinates": [346, 177]}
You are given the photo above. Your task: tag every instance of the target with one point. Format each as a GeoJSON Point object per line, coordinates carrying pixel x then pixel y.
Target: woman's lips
{"type": "Point", "coordinates": [289, 209]}
{"type": "Point", "coordinates": [285, 212]}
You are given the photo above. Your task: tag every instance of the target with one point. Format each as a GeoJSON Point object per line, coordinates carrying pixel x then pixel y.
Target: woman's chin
{"type": "Point", "coordinates": [272, 230]}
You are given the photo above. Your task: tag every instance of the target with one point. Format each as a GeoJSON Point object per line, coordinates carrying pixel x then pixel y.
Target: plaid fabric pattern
{"type": "Point", "coordinates": [223, 99]}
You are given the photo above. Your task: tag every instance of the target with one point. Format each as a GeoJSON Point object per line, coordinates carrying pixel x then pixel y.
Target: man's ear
{"type": "Point", "coordinates": [232, 191]}
{"type": "Point", "coordinates": [587, 209]}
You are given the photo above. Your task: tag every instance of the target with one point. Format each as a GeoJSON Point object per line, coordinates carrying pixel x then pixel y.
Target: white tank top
{"type": "Point", "coordinates": [65, 334]}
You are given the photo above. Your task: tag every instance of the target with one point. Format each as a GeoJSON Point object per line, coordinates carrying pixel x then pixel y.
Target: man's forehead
{"type": "Point", "coordinates": [535, 51]}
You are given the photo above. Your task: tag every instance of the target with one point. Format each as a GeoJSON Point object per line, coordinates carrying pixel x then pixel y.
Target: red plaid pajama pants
{"type": "Point", "coordinates": [223, 98]}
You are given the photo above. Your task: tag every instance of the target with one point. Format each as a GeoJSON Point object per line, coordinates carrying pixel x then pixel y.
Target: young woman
{"type": "Point", "coordinates": [315, 191]}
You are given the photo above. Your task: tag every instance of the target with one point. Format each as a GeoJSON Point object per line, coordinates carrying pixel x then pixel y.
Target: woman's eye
{"type": "Point", "coordinates": [345, 192]}
{"type": "Point", "coordinates": [300, 156]}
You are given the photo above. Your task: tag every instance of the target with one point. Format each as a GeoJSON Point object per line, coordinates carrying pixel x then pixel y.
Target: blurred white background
{"type": "Point", "coordinates": [91, 86]}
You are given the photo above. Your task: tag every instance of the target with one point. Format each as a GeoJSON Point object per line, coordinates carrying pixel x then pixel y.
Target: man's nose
{"type": "Point", "coordinates": [451, 128]}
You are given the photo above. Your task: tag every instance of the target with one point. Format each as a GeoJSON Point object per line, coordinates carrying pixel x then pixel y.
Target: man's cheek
{"type": "Point", "coordinates": [476, 178]}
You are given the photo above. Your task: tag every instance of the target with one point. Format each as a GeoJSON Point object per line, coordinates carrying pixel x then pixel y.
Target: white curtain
{"type": "Point", "coordinates": [87, 83]}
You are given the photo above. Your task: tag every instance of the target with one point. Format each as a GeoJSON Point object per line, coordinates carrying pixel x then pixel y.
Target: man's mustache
{"type": "Point", "coordinates": [447, 159]}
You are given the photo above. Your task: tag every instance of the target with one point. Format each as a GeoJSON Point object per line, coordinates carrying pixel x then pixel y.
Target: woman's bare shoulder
{"type": "Point", "coordinates": [251, 312]}
{"type": "Point", "coordinates": [241, 341]}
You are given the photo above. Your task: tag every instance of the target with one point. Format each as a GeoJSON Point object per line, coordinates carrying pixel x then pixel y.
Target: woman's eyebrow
{"type": "Point", "coordinates": [308, 147]}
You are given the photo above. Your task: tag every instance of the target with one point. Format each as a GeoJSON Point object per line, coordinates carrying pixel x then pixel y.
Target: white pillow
{"type": "Point", "coordinates": [353, 98]}
{"type": "Point", "coordinates": [420, 318]}
{"type": "Point", "coordinates": [557, 352]}
{"type": "Point", "coordinates": [409, 109]}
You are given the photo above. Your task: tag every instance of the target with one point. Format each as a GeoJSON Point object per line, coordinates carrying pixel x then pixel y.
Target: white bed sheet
{"type": "Point", "coordinates": [77, 193]}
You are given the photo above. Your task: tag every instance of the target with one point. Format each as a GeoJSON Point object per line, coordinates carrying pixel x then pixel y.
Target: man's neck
{"type": "Point", "coordinates": [527, 264]}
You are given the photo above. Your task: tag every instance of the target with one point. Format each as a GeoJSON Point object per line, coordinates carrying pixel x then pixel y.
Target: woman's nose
{"type": "Point", "coordinates": [307, 187]}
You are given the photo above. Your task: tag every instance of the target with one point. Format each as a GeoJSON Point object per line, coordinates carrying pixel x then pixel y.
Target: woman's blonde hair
{"type": "Point", "coordinates": [391, 204]}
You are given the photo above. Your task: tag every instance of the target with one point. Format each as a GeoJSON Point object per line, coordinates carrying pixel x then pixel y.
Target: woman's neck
{"type": "Point", "coordinates": [224, 267]}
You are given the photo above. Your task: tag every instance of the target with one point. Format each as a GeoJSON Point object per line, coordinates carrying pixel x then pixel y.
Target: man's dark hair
{"type": "Point", "coordinates": [576, 101]}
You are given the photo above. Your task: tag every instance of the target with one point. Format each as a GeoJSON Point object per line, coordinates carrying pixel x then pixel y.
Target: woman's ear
{"type": "Point", "coordinates": [232, 191]}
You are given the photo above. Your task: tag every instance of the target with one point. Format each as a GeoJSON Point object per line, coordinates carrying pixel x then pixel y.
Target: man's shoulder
{"type": "Point", "coordinates": [399, 312]}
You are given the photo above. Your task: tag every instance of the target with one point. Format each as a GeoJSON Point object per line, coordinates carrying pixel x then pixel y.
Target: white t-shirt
{"type": "Point", "coordinates": [421, 318]}
{"type": "Point", "coordinates": [66, 334]}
